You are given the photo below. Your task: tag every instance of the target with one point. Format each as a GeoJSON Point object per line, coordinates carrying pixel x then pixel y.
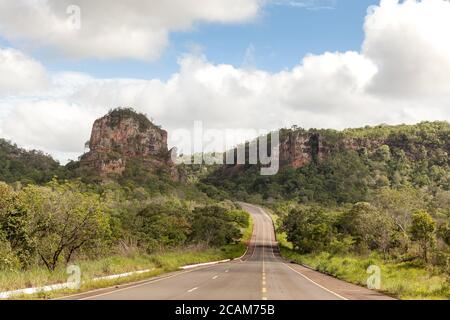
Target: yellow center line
{"type": "Point", "coordinates": [263, 288]}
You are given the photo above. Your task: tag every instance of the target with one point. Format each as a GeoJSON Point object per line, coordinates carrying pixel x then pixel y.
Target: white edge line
{"type": "Point", "coordinates": [143, 283]}
{"type": "Point", "coordinates": [307, 278]}
{"type": "Point", "coordinates": [312, 281]}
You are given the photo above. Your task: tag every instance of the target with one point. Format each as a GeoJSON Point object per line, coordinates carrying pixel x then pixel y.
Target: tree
{"type": "Point", "coordinates": [399, 204]}
{"type": "Point", "coordinates": [370, 227]}
{"type": "Point", "coordinates": [13, 225]}
{"type": "Point", "coordinates": [160, 226]}
{"type": "Point", "coordinates": [345, 176]}
{"type": "Point", "coordinates": [423, 230]}
{"type": "Point", "coordinates": [213, 225]}
{"type": "Point", "coordinates": [309, 229]}
{"type": "Point", "coordinates": [61, 220]}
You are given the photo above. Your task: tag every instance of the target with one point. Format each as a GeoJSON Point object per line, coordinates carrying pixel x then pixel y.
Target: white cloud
{"type": "Point", "coordinates": [19, 73]}
{"type": "Point", "coordinates": [409, 43]}
{"type": "Point", "coordinates": [114, 28]}
{"type": "Point", "coordinates": [384, 83]}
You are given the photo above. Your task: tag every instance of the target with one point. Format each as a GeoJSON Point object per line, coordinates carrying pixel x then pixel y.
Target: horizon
{"type": "Point", "coordinates": [293, 127]}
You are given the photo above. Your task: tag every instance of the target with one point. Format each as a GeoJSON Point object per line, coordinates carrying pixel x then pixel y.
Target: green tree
{"type": "Point", "coordinates": [13, 225]}
{"type": "Point", "coordinates": [160, 226]}
{"type": "Point", "coordinates": [370, 227]}
{"type": "Point", "coordinates": [309, 229]}
{"type": "Point", "coordinates": [213, 225]}
{"type": "Point", "coordinates": [423, 230]}
{"type": "Point", "coordinates": [61, 220]}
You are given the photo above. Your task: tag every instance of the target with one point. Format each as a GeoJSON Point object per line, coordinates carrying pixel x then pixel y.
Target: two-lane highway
{"type": "Point", "coordinates": [260, 275]}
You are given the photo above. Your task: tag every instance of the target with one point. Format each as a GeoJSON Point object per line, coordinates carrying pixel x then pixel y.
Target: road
{"type": "Point", "coordinates": [260, 275]}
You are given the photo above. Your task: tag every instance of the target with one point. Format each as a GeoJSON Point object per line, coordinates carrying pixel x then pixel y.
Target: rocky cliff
{"type": "Point", "coordinates": [299, 147]}
{"type": "Point", "coordinates": [124, 136]}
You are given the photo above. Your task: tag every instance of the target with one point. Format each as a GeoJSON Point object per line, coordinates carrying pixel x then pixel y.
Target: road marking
{"type": "Point", "coordinates": [307, 278]}
{"type": "Point", "coordinates": [215, 277]}
{"type": "Point", "coordinates": [139, 284]}
{"type": "Point", "coordinates": [192, 290]}
{"type": "Point", "coordinates": [264, 289]}
{"type": "Point", "coordinates": [320, 286]}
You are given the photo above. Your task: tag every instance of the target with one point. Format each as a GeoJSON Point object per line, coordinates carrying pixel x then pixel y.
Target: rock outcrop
{"type": "Point", "coordinates": [299, 148]}
{"type": "Point", "coordinates": [122, 136]}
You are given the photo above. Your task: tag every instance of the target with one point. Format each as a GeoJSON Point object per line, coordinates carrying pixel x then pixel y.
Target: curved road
{"type": "Point", "coordinates": [260, 275]}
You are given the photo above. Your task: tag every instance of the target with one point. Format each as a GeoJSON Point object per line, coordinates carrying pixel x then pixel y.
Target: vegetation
{"type": "Point", "coordinates": [19, 165]}
{"type": "Point", "coordinates": [345, 240]}
{"type": "Point", "coordinates": [404, 280]}
{"type": "Point", "coordinates": [118, 114]}
{"type": "Point", "coordinates": [413, 156]}
{"type": "Point", "coordinates": [375, 195]}
{"type": "Point", "coordinates": [58, 223]}
{"type": "Point", "coordinates": [387, 203]}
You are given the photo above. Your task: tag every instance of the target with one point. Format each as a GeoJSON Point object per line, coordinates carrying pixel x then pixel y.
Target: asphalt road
{"type": "Point", "coordinates": [260, 275]}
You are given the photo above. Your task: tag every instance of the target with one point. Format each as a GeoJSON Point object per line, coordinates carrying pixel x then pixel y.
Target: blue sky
{"type": "Point", "coordinates": [279, 38]}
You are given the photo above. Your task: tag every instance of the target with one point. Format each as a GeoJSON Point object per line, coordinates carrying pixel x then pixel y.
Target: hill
{"type": "Point", "coordinates": [345, 166]}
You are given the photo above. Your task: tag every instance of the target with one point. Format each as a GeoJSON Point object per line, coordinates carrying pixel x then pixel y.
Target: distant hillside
{"type": "Point", "coordinates": [344, 166]}
{"type": "Point", "coordinates": [17, 164]}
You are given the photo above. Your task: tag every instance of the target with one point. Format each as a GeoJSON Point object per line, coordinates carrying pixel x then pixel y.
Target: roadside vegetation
{"type": "Point", "coordinates": [344, 242]}
{"type": "Point", "coordinates": [109, 229]}
{"type": "Point", "coordinates": [384, 204]}
{"type": "Point", "coordinates": [387, 204]}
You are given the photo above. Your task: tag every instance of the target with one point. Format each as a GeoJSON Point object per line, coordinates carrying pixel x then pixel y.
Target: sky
{"type": "Point", "coordinates": [242, 64]}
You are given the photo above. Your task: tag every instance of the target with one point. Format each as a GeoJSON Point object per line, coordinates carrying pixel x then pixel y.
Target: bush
{"type": "Point", "coordinates": [309, 229]}
{"type": "Point", "coordinates": [214, 225]}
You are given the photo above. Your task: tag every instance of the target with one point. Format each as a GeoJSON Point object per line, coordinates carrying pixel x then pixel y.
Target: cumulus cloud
{"type": "Point", "coordinates": [409, 44]}
{"type": "Point", "coordinates": [20, 73]}
{"type": "Point", "coordinates": [394, 79]}
{"type": "Point", "coordinates": [113, 28]}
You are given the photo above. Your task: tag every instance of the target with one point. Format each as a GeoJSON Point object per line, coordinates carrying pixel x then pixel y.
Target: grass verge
{"type": "Point", "coordinates": [404, 280]}
{"type": "Point", "coordinates": [158, 264]}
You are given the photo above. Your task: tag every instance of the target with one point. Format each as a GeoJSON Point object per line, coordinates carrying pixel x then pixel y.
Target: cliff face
{"type": "Point", "coordinates": [298, 149]}
{"type": "Point", "coordinates": [123, 136]}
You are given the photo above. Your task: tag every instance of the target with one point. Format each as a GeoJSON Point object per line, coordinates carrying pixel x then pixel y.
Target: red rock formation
{"type": "Point", "coordinates": [123, 135]}
{"type": "Point", "coordinates": [295, 150]}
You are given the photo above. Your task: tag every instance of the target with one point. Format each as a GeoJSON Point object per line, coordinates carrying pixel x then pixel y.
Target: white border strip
{"type": "Point", "coordinates": [59, 286]}
{"type": "Point", "coordinates": [203, 264]}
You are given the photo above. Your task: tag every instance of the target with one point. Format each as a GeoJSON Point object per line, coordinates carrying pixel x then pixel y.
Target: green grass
{"type": "Point", "coordinates": [281, 236]}
{"type": "Point", "coordinates": [402, 280]}
{"type": "Point", "coordinates": [157, 263]}
{"type": "Point", "coordinates": [399, 279]}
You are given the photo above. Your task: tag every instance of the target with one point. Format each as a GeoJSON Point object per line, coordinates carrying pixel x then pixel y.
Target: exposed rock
{"type": "Point", "coordinates": [299, 148]}
{"type": "Point", "coordinates": [124, 135]}
{"type": "Point", "coordinates": [296, 150]}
